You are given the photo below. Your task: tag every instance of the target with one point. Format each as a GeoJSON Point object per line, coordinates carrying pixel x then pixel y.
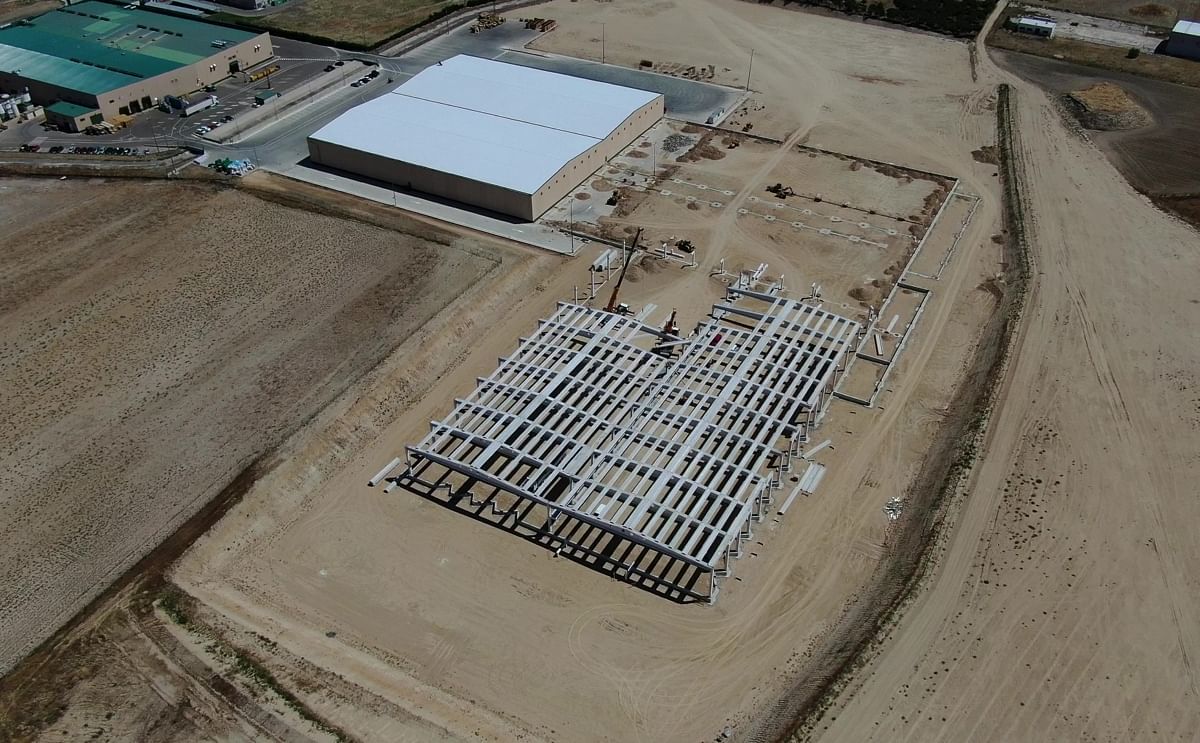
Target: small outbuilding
{"type": "Point", "coordinates": [1184, 40]}
{"type": "Point", "coordinates": [1034, 26]}
{"type": "Point", "coordinates": [69, 117]}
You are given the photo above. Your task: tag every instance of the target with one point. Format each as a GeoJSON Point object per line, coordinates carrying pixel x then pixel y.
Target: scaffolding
{"type": "Point", "coordinates": [643, 454]}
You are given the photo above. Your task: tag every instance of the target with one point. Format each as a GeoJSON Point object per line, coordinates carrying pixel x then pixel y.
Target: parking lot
{"type": "Point", "coordinates": [298, 63]}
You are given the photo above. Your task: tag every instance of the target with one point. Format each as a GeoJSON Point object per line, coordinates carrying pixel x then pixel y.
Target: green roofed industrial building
{"type": "Point", "coordinates": [120, 60]}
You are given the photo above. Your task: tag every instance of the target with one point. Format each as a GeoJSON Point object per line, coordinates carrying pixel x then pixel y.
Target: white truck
{"type": "Point", "coordinates": [198, 104]}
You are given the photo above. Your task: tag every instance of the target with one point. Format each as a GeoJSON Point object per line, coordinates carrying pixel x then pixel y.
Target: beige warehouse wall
{"type": "Point", "coordinates": [192, 77]}
{"type": "Point", "coordinates": [176, 82]}
{"type": "Point", "coordinates": [574, 172]}
{"type": "Point", "coordinates": [417, 178]}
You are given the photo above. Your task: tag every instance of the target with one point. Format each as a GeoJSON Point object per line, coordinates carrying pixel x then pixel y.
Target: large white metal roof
{"type": "Point", "coordinates": [510, 154]}
{"type": "Point", "coordinates": [489, 121]}
{"type": "Point", "coordinates": [1188, 28]}
{"type": "Point", "coordinates": [511, 91]}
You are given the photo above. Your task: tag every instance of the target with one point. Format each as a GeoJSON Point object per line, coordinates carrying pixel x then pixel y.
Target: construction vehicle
{"type": "Point", "coordinates": [540, 24]}
{"type": "Point", "coordinates": [672, 327]}
{"type": "Point", "coordinates": [612, 301]}
{"type": "Point", "coordinates": [686, 246]}
{"type": "Point", "coordinates": [781, 190]}
{"type": "Point", "coordinates": [486, 21]}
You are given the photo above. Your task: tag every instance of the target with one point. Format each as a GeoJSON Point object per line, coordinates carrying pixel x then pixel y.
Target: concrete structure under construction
{"type": "Point", "coordinates": [120, 60]}
{"type": "Point", "coordinates": [641, 453]}
{"type": "Point", "coordinates": [498, 136]}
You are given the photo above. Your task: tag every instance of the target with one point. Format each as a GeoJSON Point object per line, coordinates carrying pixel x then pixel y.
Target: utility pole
{"type": "Point", "coordinates": [602, 41]}
{"type": "Point", "coordinates": [751, 69]}
{"type": "Point", "coordinates": [571, 221]}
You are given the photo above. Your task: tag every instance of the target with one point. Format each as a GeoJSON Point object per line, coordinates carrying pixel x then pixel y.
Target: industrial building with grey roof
{"type": "Point", "coordinates": [120, 60]}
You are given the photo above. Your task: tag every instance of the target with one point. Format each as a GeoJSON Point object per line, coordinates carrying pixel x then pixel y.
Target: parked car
{"type": "Point", "coordinates": [329, 68]}
{"type": "Point", "coordinates": [339, 63]}
{"type": "Point", "coordinates": [356, 84]}
{"type": "Point", "coordinates": [203, 130]}
{"type": "Point", "coordinates": [227, 119]}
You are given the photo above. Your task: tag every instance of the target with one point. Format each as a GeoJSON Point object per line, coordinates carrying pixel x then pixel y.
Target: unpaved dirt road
{"type": "Point", "coordinates": [1064, 607]}
{"type": "Point", "coordinates": [155, 338]}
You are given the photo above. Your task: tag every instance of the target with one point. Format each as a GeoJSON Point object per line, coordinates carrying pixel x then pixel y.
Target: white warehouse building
{"type": "Point", "coordinates": [498, 136]}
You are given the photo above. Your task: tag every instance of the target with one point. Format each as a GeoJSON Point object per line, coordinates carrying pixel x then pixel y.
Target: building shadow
{"type": "Point", "coordinates": [565, 536]}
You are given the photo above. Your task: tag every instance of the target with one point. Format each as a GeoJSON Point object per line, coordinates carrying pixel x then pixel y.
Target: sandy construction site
{"type": "Point", "coordinates": [1056, 597]}
{"type": "Point", "coordinates": [426, 608]}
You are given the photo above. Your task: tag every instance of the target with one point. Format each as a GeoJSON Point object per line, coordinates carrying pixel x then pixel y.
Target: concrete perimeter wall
{"type": "Point", "coordinates": [339, 78]}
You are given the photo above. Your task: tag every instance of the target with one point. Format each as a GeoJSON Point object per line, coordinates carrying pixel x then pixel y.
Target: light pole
{"type": "Point", "coordinates": [571, 221]}
{"type": "Point", "coordinates": [603, 34]}
{"type": "Point", "coordinates": [748, 71]}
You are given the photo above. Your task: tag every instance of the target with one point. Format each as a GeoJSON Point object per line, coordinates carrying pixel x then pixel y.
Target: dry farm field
{"type": "Point", "coordinates": [158, 338]}
{"type": "Point", "coordinates": [1161, 13]}
{"type": "Point", "coordinates": [363, 23]}
{"type": "Point", "coordinates": [14, 9]}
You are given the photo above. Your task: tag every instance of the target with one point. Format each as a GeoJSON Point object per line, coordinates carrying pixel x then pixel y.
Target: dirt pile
{"type": "Point", "coordinates": [1107, 107]}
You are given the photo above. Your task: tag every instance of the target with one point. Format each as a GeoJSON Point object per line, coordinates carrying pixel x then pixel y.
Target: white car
{"type": "Point", "coordinates": [203, 130]}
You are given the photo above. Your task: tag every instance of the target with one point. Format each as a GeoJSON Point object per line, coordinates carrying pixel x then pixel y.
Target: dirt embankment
{"type": "Point", "coordinates": [1106, 107]}
{"type": "Point", "coordinates": [908, 551]}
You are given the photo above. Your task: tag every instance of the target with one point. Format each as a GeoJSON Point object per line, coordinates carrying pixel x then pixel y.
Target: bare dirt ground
{"type": "Point", "coordinates": [157, 338]}
{"type": "Point", "coordinates": [1056, 609]}
{"type": "Point", "coordinates": [1162, 13]}
{"type": "Point", "coordinates": [1059, 610]}
{"type": "Point", "coordinates": [1161, 160]}
{"type": "Point", "coordinates": [11, 10]}
{"type": "Point", "coordinates": [362, 22]}
{"type": "Point", "coordinates": [1164, 157]}
{"type": "Point", "coordinates": [471, 632]}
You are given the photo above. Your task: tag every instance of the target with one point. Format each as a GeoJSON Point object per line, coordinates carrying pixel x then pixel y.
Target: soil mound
{"type": "Point", "coordinates": [1107, 107]}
